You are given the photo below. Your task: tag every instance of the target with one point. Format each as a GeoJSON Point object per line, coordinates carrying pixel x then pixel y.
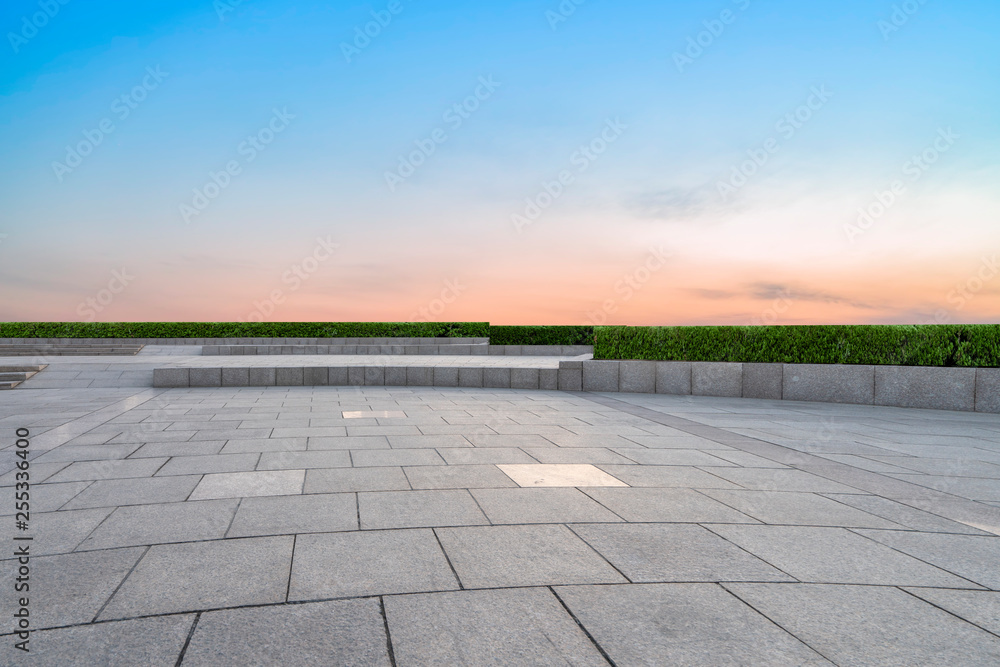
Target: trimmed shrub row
{"type": "Point", "coordinates": [244, 329]}
{"type": "Point", "coordinates": [541, 335]}
{"type": "Point", "coordinates": [975, 345]}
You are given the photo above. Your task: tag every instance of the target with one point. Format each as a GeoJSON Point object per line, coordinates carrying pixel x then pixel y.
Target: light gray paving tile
{"type": "Point", "coordinates": [220, 573]}
{"type": "Point", "coordinates": [249, 484]}
{"type": "Point", "coordinates": [60, 532]}
{"type": "Point", "coordinates": [353, 564]}
{"type": "Point", "coordinates": [508, 441]}
{"type": "Point", "coordinates": [135, 491]}
{"type": "Point", "coordinates": [242, 446]}
{"type": "Point", "coordinates": [350, 442]}
{"type": "Point", "coordinates": [427, 441]}
{"type": "Point", "coordinates": [283, 515]}
{"type": "Point", "coordinates": [575, 455]}
{"type": "Point", "coordinates": [48, 497]}
{"type": "Point", "coordinates": [765, 479]}
{"type": "Point", "coordinates": [674, 505]}
{"type": "Point", "coordinates": [682, 624]}
{"type": "Point", "coordinates": [229, 434]}
{"type": "Point", "coordinates": [493, 627]}
{"type": "Point", "coordinates": [976, 558]}
{"type": "Point", "coordinates": [665, 552]}
{"type": "Point", "coordinates": [340, 480]}
{"type": "Point", "coordinates": [904, 515]}
{"type": "Point", "coordinates": [146, 641]}
{"type": "Point", "coordinates": [666, 476]}
{"type": "Point", "coordinates": [669, 457]}
{"type": "Point", "coordinates": [200, 448]}
{"type": "Point", "coordinates": [567, 439]}
{"type": "Point", "coordinates": [680, 441]}
{"type": "Point", "coordinates": [460, 456]}
{"type": "Point", "coordinates": [796, 508]}
{"type": "Point", "coordinates": [964, 487]}
{"type": "Point", "coordinates": [559, 505]}
{"type": "Point", "coordinates": [981, 608]}
{"type": "Point", "coordinates": [38, 473]}
{"type": "Point", "coordinates": [870, 625]}
{"type": "Point", "coordinates": [504, 556]}
{"type": "Point", "coordinates": [746, 459]}
{"type": "Point", "coordinates": [116, 469]}
{"type": "Point", "coordinates": [457, 477]}
{"type": "Point", "coordinates": [401, 457]}
{"type": "Point", "coordinates": [303, 460]}
{"type": "Point", "coordinates": [835, 556]}
{"type": "Point", "coordinates": [197, 465]}
{"type": "Point", "coordinates": [142, 525]}
{"type": "Point", "coordinates": [85, 453]}
{"type": "Point", "coordinates": [414, 509]}
{"type": "Point", "coordinates": [69, 588]}
{"type": "Point", "coordinates": [342, 632]}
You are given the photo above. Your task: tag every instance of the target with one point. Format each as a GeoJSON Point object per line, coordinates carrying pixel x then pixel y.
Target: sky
{"type": "Point", "coordinates": [523, 162]}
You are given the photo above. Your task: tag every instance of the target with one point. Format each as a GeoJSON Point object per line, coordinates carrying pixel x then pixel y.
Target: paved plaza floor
{"type": "Point", "coordinates": [440, 526]}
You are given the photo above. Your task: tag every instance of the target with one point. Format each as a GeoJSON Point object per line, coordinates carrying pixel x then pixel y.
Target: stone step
{"type": "Point", "coordinates": [8, 385]}
{"type": "Point", "coordinates": [14, 377]}
{"type": "Point", "coordinates": [452, 348]}
{"type": "Point", "coordinates": [67, 350]}
{"type": "Point", "coordinates": [21, 368]}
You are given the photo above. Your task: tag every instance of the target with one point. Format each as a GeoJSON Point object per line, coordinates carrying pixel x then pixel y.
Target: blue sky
{"type": "Point", "coordinates": [225, 68]}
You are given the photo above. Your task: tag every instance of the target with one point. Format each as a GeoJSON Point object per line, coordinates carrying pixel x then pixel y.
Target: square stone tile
{"type": "Point", "coordinates": [60, 532]}
{"type": "Point", "coordinates": [199, 465]}
{"type": "Point", "coordinates": [506, 556]}
{"type": "Point", "coordinates": [248, 484]}
{"type": "Point", "coordinates": [221, 573]}
{"type": "Point", "coordinates": [68, 589]}
{"type": "Point", "coordinates": [427, 441]}
{"type": "Point", "coordinates": [508, 441]}
{"type": "Point", "coordinates": [540, 506]}
{"type": "Point", "coordinates": [138, 491]}
{"type": "Point", "coordinates": [413, 509]}
{"type": "Point", "coordinates": [674, 552]}
{"type": "Point", "coordinates": [981, 608]}
{"type": "Point", "coordinates": [665, 476]}
{"type": "Point", "coordinates": [200, 448]}
{"type": "Point", "coordinates": [145, 641]}
{"type": "Point", "coordinates": [568, 474]}
{"type": "Point", "coordinates": [66, 453]}
{"type": "Point", "coordinates": [141, 525]}
{"type": "Point", "coordinates": [457, 477]}
{"type": "Point", "coordinates": [304, 460]}
{"type": "Point", "coordinates": [835, 556]}
{"type": "Point", "coordinates": [871, 625]}
{"type": "Point", "coordinates": [342, 632]}
{"type": "Point", "coordinates": [494, 627]}
{"type": "Point", "coordinates": [339, 480]}
{"type": "Point", "coordinates": [904, 515]}
{"type": "Point", "coordinates": [257, 445]}
{"type": "Point", "coordinates": [284, 515]}
{"type": "Point", "coordinates": [395, 457]}
{"type": "Point", "coordinates": [973, 557]}
{"type": "Point", "coordinates": [373, 414]}
{"type": "Point", "coordinates": [670, 457]}
{"type": "Point", "coordinates": [682, 624]}
{"type": "Point", "coordinates": [674, 505]}
{"type": "Point", "coordinates": [349, 442]}
{"type": "Point", "coordinates": [116, 469]}
{"type": "Point", "coordinates": [793, 508]}
{"type": "Point", "coordinates": [576, 455]}
{"type": "Point", "coordinates": [766, 479]}
{"type": "Point", "coordinates": [363, 563]}
{"type": "Point", "coordinates": [462, 456]}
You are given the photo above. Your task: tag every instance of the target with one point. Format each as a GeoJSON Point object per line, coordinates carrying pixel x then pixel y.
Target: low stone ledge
{"type": "Point", "coordinates": [829, 383]}
{"type": "Point", "coordinates": [720, 379]}
{"type": "Point", "coordinates": [762, 381]}
{"type": "Point", "coordinates": [926, 387]}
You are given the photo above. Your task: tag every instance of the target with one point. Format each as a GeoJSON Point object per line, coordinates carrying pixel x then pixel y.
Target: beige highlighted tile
{"type": "Point", "coordinates": [249, 484]}
{"type": "Point", "coordinates": [559, 474]}
{"type": "Point", "coordinates": [373, 414]}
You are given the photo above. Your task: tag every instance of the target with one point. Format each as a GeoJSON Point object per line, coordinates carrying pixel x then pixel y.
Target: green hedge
{"type": "Point", "coordinates": [541, 335]}
{"type": "Point", "coordinates": [243, 329]}
{"type": "Point", "coordinates": [975, 345]}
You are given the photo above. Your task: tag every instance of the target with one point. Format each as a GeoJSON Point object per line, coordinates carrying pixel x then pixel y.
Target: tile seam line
{"type": "Point", "coordinates": [808, 461]}
{"type": "Point", "coordinates": [905, 590]}
{"type": "Point", "coordinates": [586, 632]}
